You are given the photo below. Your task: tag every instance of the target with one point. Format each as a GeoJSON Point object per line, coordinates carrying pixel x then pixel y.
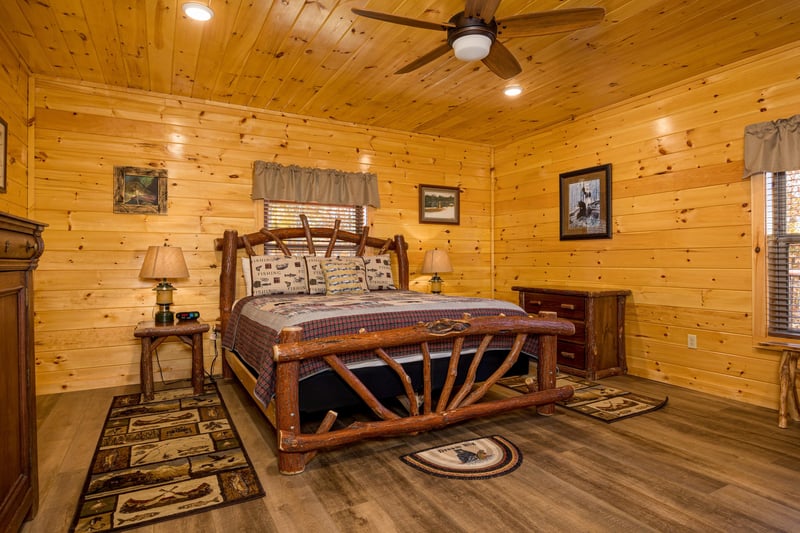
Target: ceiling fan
{"type": "Point", "coordinates": [473, 33]}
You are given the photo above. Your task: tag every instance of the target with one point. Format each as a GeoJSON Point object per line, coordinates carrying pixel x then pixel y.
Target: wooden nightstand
{"type": "Point", "coordinates": [189, 332]}
{"type": "Point", "coordinates": [597, 349]}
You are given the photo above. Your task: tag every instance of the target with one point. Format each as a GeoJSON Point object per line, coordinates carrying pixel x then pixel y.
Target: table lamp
{"type": "Point", "coordinates": [164, 262]}
{"type": "Point", "coordinates": [436, 261]}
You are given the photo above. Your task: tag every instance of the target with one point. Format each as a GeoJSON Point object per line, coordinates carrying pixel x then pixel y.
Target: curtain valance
{"type": "Point", "coordinates": [272, 181]}
{"type": "Point", "coordinates": [772, 146]}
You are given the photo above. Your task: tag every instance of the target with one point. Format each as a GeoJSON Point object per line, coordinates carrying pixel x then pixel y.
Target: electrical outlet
{"type": "Point", "coordinates": [691, 341]}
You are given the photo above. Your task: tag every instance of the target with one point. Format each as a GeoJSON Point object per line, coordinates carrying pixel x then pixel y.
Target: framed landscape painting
{"type": "Point", "coordinates": [585, 203]}
{"type": "Point", "coordinates": [140, 190]}
{"type": "Point", "coordinates": [438, 204]}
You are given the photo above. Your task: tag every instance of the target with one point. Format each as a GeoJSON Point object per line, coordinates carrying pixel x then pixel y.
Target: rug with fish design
{"type": "Point", "coordinates": [162, 459]}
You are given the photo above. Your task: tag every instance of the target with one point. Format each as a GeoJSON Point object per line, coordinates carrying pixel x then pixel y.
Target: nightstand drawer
{"type": "Point", "coordinates": [571, 354]}
{"type": "Point", "coordinates": [573, 307]}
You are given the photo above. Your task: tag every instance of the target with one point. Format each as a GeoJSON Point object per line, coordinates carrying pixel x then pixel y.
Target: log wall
{"type": "Point", "coordinates": [14, 80]}
{"type": "Point", "coordinates": [89, 297]}
{"type": "Point", "coordinates": [681, 222]}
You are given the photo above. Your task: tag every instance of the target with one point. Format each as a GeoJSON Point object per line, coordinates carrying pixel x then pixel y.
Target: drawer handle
{"type": "Point", "coordinates": [567, 355]}
{"type": "Point", "coordinates": [568, 306]}
{"type": "Point", "coordinates": [535, 302]}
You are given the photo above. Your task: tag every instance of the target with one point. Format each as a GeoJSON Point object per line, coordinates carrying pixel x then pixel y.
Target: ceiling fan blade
{"type": "Point", "coordinates": [405, 21]}
{"type": "Point", "coordinates": [484, 9]}
{"type": "Point", "coordinates": [501, 61]}
{"type": "Point", "coordinates": [547, 22]}
{"type": "Point", "coordinates": [427, 58]}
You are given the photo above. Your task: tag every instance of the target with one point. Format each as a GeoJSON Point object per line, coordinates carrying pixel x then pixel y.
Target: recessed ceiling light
{"type": "Point", "coordinates": [197, 11]}
{"type": "Point", "coordinates": [513, 90]}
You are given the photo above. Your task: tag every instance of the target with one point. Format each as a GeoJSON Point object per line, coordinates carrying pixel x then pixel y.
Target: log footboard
{"type": "Point", "coordinates": [455, 403]}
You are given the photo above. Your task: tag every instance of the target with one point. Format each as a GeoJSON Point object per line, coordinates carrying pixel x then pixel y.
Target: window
{"type": "Point", "coordinates": [778, 295]}
{"type": "Point", "coordinates": [287, 215]}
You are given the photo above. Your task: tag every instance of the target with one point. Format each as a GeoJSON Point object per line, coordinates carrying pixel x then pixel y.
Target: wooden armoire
{"type": "Point", "coordinates": [20, 247]}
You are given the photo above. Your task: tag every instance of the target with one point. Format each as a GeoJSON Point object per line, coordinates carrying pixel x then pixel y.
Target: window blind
{"type": "Point", "coordinates": [783, 253]}
{"type": "Point", "coordinates": [287, 215]}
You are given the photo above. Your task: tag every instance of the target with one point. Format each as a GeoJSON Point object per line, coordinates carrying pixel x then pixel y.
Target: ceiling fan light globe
{"type": "Point", "coordinates": [472, 47]}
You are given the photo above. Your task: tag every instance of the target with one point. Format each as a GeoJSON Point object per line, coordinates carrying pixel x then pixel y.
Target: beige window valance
{"type": "Point", "coordinates": [772, 146]}
{"type": "Point", "coordinates": [272, 181]}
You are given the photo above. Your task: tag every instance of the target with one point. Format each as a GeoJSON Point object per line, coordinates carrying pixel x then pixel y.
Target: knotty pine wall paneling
{"type": "Point", "coordinates": [89, 297]}
{"type": "Point", "coordinates": [681, 222]}
{"type": "Point", "coordinates": [14, 79]}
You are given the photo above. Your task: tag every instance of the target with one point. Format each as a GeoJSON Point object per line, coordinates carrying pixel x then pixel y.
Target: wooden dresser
{"type": "Point", "coordinates": [20, 247]}
{"type": "Point", "coordinates": [598, 347]}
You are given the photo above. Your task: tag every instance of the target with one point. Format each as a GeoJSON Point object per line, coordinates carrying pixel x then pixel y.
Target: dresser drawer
{"type": "Point", "coordinates": [565, 306]}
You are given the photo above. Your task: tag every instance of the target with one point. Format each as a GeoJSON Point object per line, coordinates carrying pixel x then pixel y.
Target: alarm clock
{"type": "Point", "coordinates": [187, 315]}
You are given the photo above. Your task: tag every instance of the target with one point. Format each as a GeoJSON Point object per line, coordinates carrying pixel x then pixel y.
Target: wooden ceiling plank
{"type": "Point", "coordinates": [131, 19]}
{"type": "Point", "coordinates": [249, 25]}
{"type": "Point", "coordinates": [265, 50]}
{"type": "Point", "coordinates": [41, 18]}
{"type": "Point", "coordinates": [185, 54]}
{"type": "Point", "coordinates": [100, 19]}
{"type": "Point", "coordinates": [21, 34]}
{"type": "Point", "coordinates": [217, 34]}
{"type": "Point", "coordinates": [161, 17]}
{"type": "Point", "coordinates": [293, 48]}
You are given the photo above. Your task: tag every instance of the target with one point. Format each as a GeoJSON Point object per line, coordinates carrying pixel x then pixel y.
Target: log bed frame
{"type": "Point", "coordinates": [455, 403]}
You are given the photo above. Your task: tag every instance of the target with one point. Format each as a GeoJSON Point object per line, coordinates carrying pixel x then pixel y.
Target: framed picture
{"type": "Point", "coordinates": [439, 205]}
{"type": "Point", "coordinates": [585, 203]}
{"type": "Point", "coordinates": [4, 153]}
{"type": "Point", "coordinates": [140, 190]}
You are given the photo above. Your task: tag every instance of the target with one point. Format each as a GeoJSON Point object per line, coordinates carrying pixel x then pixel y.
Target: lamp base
{"type": "Point", "coordinates": [436, 284]}
{"type": "Point", "coordinates": [164, 317]}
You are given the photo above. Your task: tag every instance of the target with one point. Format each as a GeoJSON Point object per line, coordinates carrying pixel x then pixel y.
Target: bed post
{"type": "Point", "coordinates": [287, 406]}
{"type": "Point", "coordinates": [227, 286]}
{"type": "Point", "coordinates": [546, 365]}
{"type": "Point", "coordinates": [401, 252]}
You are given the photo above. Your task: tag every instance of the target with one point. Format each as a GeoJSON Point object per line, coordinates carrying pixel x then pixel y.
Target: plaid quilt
{"type": "Point", "coordinates": [256, 322]}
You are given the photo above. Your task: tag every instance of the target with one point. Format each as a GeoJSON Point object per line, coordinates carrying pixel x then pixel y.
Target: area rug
{"type": "Point", "coordinates": [174, 455]}
{"type": "Point", "coordinates": [480, 458]}
{"type": "Point", "coordinates": [599, 401]}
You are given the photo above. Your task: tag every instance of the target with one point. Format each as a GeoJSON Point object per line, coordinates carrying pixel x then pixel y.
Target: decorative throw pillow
{"type": "Point", "coordinates": [344, 275]}
{"type": "Point", "coordinates": [278, 275]}
{"type": "Point", "coordinates": [314, 274]}
{"type": "Point", "coordinates": [379, 272]}
{"type": "Point", "coordinates": [248, 276]}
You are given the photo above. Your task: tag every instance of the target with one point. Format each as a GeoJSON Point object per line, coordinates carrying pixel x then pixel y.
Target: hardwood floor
{"type": "Point", "coordinates": [699, 464]}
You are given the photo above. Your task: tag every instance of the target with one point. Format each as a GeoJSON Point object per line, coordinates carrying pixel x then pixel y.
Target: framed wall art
{"type": "Point", "coordinates": [140, 190]}
{"type": "Point", "coordinates": [585, 203]}
{"type": "Point", "coordinates": [439, 205]}
{"type": "Point", "coordinates": [4, 153]}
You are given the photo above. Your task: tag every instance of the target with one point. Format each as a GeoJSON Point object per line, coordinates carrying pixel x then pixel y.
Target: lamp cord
{"type": "Point", "coordinates": [209, 374]}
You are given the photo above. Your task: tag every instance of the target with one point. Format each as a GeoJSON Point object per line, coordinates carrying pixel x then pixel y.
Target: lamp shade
{"type": "Point", "coordinates": [162, 262]}
{"type": "Point", "coordinates": [436, 261]}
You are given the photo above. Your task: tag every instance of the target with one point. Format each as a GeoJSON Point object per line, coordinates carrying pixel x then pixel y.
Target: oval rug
{"type": "Point", "coordinates": [480, 458]}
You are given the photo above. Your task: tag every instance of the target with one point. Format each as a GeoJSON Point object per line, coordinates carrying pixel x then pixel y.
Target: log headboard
{"type": "Point", "coordinates": [231, 242]}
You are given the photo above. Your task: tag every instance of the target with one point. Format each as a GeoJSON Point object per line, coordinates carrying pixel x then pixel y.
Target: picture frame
{"type": "Point", "coordinates": [4, 152]}
{"type": "Point", "coordinates": [585, 203]}
{"type": "Point", "coordinates": [140, 190]}
{"type": "Point", "coordinates": [439, 204]}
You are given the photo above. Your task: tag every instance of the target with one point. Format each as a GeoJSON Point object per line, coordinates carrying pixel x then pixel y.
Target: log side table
{"type": "Point", "coordinates": [788, 401]}
{"type": "Point", "coordinates": [190, 332]}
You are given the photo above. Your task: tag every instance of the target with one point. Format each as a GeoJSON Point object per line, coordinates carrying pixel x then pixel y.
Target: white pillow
{"type": "Point", "coordinates": [379, 272]}
{"type": "Point", "coordinates": [278, 275]}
